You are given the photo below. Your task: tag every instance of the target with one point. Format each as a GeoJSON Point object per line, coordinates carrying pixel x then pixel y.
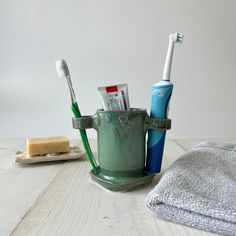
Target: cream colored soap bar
{"type": "Point", "coordinates": [42, 146]}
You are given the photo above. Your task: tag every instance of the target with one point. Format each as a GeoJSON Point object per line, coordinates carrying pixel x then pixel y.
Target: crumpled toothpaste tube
{"type": "Point", "coordinates": [115, 97]}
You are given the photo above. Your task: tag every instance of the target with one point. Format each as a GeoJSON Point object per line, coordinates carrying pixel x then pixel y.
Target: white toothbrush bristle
{"type": "Point", "coordinates": [177, 37]}
{"type": "Point", "coordinates": [62, 68]}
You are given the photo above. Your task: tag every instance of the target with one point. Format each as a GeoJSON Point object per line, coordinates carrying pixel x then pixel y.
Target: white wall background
{"type": "Point", "coordinates": [113, 41]}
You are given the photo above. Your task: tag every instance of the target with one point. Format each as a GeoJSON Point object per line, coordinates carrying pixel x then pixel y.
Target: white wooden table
{"type": "Point", "coordinates": [60, 199]}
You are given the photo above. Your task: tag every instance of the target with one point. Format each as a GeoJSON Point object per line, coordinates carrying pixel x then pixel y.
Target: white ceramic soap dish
{"type": "Point", "coordinates": [75, 152]}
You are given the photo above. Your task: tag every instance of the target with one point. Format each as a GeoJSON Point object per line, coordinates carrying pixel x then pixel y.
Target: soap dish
{"type": "Point", "coordinates": [75, 152]}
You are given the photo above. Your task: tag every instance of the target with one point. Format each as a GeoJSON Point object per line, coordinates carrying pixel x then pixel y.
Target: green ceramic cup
{"type": "Point", "coordinates": [121, 139]}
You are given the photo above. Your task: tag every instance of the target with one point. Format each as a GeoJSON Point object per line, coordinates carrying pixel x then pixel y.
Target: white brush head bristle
{"type": "Point", "coordinates": [62, 68]}
{"type": "Point", "coordinates": [177, 37]}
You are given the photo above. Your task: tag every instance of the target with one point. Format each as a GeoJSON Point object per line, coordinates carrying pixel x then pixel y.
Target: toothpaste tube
{"type": "Point", "coordinates": [115, 97]}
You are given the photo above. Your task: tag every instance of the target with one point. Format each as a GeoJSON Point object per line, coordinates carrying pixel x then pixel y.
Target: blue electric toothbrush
{"type": "Point", "coordinates": [161, 93]}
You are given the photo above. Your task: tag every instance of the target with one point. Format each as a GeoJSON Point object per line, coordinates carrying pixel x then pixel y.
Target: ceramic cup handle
{"type": "Point", "coordinates": [84, 122]}
{"type": "Point", "coordinates": [156, 123]}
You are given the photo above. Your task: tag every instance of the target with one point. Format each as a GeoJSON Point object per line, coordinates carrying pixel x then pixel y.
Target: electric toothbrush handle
{"type": "Point", "coordinates": [156, 139]}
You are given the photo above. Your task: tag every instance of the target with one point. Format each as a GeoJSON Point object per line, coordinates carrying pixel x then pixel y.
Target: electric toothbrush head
{"type": "Point", "coordinates": [176, 37]}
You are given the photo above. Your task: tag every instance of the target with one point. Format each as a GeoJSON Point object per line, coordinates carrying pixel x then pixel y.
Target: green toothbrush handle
{"type": "Point", "coordinates": [75, 110]}
{"type": "Point", "coordinates": [77, 114]}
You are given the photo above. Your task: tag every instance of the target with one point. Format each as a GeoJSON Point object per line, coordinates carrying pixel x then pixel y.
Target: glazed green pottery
{"type": "Point", "coordinates": [121, 146]}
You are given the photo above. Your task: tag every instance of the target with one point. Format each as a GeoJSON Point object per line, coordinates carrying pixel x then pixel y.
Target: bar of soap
{"type": "Point", "coordinates": [43, 146]}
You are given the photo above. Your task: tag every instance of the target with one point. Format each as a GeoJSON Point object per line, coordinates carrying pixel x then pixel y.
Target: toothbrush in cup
{"type": "Point", "coordinates": [161, 94]}
{"type": "Point", "coordinates": [63, 72]}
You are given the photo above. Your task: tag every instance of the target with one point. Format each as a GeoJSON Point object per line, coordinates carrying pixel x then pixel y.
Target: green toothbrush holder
{"type": "Point", "coordinates": [121, 146]}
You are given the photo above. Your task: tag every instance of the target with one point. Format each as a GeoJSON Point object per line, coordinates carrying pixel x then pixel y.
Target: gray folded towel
{"type": "Point", "coordinates": [199, 189]}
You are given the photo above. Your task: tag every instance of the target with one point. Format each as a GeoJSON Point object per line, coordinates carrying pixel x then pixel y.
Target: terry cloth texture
{"type": "Point", "coordinates": [199, 189]}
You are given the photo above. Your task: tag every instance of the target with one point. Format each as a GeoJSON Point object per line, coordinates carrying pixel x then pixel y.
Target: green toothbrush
{"type": "Point", "coordinates": [63, 72]}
